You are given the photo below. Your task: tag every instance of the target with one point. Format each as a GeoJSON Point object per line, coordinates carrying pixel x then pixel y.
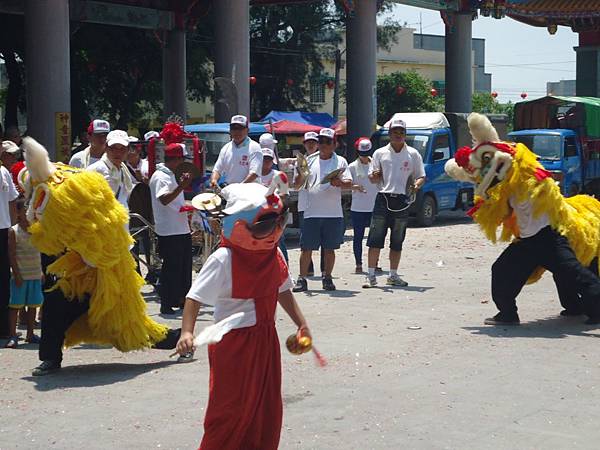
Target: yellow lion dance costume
{"type": "Point", "coordinates": [75, 212]}
{"type": "Point", "coordinates": [508, 172]}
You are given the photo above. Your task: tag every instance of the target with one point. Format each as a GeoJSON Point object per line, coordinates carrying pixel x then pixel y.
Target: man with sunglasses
{"type": "Point", "coordinates": [240, 160]}
{"type": "Point", "coordinates": [323, 216]}
{"type": "Point", "coordinates": [392, 166]}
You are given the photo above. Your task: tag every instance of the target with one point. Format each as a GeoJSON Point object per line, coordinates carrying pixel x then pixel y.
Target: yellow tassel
{"type": "Point", "coordinates": [83, 216]}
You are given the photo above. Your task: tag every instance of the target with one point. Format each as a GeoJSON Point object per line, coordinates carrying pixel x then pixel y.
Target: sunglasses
{"type": "Point", "coordinates": [268, 223]}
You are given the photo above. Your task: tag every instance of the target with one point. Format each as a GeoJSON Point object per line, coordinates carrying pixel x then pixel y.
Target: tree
{"type": "Point", "coordinates": [484, 103]}
{"type": "Point", "coordinates": [404, 92]}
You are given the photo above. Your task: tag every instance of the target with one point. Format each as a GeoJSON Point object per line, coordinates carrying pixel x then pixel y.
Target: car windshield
{"type": "Point", "coordinates": [545, 146]}
{"type": "Point", "coordinates": [417, 141]}
{"type": "Point", "coordinates": [214, 142]}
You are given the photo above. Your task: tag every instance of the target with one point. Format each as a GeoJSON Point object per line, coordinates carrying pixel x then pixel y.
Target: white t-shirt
{"type": "Point", "coordinates": [168, 221]}
{"type": "Point", "coordinates": [236, 162]}
{"type": "Point", "coordinates": [362, 201]}
{"type": "Point", "coordinates": [325, 200]}
{"type": "Point", "coordinates": [528, 225]}
{"type": "Point", "coordinates": [83, 159]}
{"type": "Point", "coordinates": [213, 286]}
{"type": "Point", "coordinates": [118, 179]}
{"type": "Point", "coordinates": [397, 167]}
{"type": "Point", "coordinates": [8, 193]}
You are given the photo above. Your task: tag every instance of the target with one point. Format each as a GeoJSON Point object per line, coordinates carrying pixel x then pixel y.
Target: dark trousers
{"type": "Point", "coordinates": [569, 298]}
{"type": "Point", "coordinates": [4, 282]}
{"type": "Point", "coordinates": [176, 272]}
{"type": "Point", "coordinates": [58, 314]}
{"type": "Point", "coordinates": [360, 222]}
{"type": "Point", "coordinates": [142, 238]}
{"type": "Point", "coordinates": [551, 251]}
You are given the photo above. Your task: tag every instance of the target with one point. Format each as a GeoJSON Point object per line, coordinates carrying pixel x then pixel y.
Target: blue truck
{"type": "Point", "coordinates": [564, 132]}
{"type": "Point", "coordinates": [437, 136]}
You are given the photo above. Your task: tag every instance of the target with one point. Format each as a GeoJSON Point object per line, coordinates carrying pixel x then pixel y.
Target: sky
{"type": "Point", "coordinates": [521, 58]}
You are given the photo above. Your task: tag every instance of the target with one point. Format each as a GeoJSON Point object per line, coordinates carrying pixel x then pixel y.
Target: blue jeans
{"type": "Point", "coordinates": [360, 221]}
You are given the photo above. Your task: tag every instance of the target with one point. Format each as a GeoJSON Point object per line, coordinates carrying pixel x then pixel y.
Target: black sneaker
{"type": "Point", "coordinates": [301, 285]}
{"type": "Point", "coordinates": [592, 320]}
{"type": "Point", "coordinates": [328, 284]}
{"type": "Point", "coordinates": [571, 312]}
{"type": "Point", "coordinates": [500, 319]}
{"type": "Point", "coordinates": [46, 368]}
{"type": "Point", "coordinates": [167, 310]}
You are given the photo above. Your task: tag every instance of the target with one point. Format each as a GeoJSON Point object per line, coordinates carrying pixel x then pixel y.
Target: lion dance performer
{"type": "Point", "coordinates": [548, 231]}
{"type": "Point", "coordinates": [246, 274]}
{"type": "Point", "coordinates": [74, 213]}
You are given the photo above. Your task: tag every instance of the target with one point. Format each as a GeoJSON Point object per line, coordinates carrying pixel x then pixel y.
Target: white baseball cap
{"type": "Point", "coordinates": [151, 134]}
{"type": "Point", "coordinates": [397, 123]}
{"type": "Point", "coordinates": [117, 137]}
{"type": "Point", "coordinates": [311, 136]}
{"type": "Point", "coordinates": [268, 152]}
{"type": "Point", "coordinates": [364, 145]}
{"type": "Point", "coordinates": [133, 139]}
{"type": "Point", "coordinates": [327, 132]}
{"type": "Point", "coordinates": [239, 120]}
{"type": "Point", "coordinates": [98, 126]}
{"type": "Point", "coordinates": [10, 147]}
{"type": "Point", "coordinates": [267, 140]}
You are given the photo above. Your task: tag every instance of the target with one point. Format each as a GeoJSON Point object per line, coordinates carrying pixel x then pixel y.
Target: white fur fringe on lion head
{"type": "Point", "coordinates": [487, 163]}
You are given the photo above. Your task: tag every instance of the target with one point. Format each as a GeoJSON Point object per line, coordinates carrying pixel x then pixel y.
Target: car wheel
{"type": "Point", "coordinates": [426, 215]}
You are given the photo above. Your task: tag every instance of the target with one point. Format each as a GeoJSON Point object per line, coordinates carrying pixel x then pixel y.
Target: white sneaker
{"type": "Point", "coordinates": [395, 280]}
{"type": "Point", "coordinates": [370, 282]}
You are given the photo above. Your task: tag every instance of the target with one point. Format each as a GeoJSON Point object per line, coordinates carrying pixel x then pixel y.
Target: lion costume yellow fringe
{"type": "Point", "coordinates": [77, 211]}
{"type": "Point", "coordinates": [577, 218]}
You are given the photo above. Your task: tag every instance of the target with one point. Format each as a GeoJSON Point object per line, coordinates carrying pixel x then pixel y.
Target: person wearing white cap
{"type": "Point", "coordinates": [112, 166]}
{"type": "Point", "coordinates": [392, 166]}
{"type": "Point", "coordinates": [267, 140]}
{"type": "Point", "coordinates": [311, 147]}
{"type": "Point", "coordinates": [151, 134]}
{"type": "Point", "coordinates": [9, 154]}
{"type": "Point", "coordinates": [240, 160]}
{"type": "Point", "coordinates": [97, 133]}
{"type": "Point", "coordinates": [323, 216]}
{"type": "Point", "coordinates": [363, 197]}
{"type": "Point", "coordinates": [8, 216]}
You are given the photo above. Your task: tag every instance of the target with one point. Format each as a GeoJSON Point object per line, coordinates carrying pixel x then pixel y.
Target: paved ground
{"type": "Point", "coordinates": [453, 383]}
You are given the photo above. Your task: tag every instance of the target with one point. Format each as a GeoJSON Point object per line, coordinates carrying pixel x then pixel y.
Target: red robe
{"type": "Point", "coordinates": [245, 409]}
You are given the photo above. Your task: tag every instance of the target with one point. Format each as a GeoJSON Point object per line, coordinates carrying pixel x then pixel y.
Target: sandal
{"type": "Point", "coordinates": [13, 342]}
{"type": "Point", "coordinates": [34, 339]}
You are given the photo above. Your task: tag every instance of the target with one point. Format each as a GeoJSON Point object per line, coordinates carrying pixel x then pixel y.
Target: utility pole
{"type": "Point", "coordinates": [336, 88]}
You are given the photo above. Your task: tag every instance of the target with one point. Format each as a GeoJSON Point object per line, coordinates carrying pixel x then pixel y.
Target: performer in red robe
{"type": "Point", "coordinates": [247, 274]}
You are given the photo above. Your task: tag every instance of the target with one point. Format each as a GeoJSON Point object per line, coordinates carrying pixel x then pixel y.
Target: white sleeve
{"type": "Point", "coordinates": [162, 187]}
{"type": "Point", "coordinates": [144, 169]}
{"type": "Point", "coordinates": [75, 161]}
{"type": "Point", "coordinates": [419, 169]}
{"type": "Point", "coordinates": [12, 191]}
{"type": "Point", "coordinates": [374, 165]}
{"type": "Point", "coordinates": [209, 283]}
{"type": "Point", "coordinates": [256, 160]}
{"type": "Point", "coordinates": [220, 160]}
{"type": "Point", "coordinates": [346, 175]}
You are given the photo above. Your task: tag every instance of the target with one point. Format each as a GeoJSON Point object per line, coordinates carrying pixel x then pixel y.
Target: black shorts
{"type": "Point", "coordinates": [384, 218]}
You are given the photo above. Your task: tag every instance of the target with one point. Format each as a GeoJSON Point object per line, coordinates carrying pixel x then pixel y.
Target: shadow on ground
{"type": "Point", "coordinates": [547, 328]}
{"type": "Point", "coordinates": [91, 375]}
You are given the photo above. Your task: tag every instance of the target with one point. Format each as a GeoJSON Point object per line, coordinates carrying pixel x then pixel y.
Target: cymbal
{"type": "Point", "coordinates": [207, 201]}
{"type": "Point", "coordinates": [332, 175]}
{"type": "Point", "coordinates": [189, 168]}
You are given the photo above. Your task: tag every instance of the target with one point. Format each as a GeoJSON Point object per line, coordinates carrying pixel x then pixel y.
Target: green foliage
{"type": "Point", "coordinates": [484, 103]}
{"type": "Point", "coordinates": [416, 96]}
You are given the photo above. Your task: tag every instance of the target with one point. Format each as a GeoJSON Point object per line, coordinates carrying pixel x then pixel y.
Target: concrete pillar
{"type": "Point", "coordinates": [361, 71]}
{"type": "Point", "coordinates": [232, 55]}
{"type": "Point", "coordinates": [174, 74]}
{"type": "Point", "coordinates": [588, 64]}
{"type": "Point", "coordinates": [47, 65]}
{"type": "Point", "coordinates": [459, 64]}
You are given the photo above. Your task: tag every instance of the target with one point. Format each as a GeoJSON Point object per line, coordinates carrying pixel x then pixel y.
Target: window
{"type": "Point", "coordinates": [441, 148]}
{"type": "Point", "coordinates": [570, 147]}
{"type": "Point", "coordinates": [317, 91]}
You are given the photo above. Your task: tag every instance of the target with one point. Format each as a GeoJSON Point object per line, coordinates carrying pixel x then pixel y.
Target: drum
{"type": "Point", "coordinates": [140, 202]}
